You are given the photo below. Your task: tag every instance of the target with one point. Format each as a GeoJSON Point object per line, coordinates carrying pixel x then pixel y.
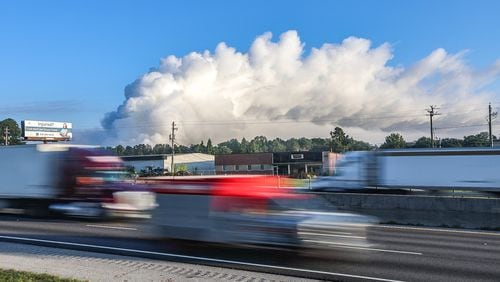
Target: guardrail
{"type": "Point", "coordinates": [473, 212]}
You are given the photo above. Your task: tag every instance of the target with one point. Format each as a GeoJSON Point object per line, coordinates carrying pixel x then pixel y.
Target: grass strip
{"type": "Point", "coordinates": [24, 276]}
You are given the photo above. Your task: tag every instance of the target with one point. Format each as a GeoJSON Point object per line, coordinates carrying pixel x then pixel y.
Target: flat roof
{"type": "Point", "coordinates": [178, 158]}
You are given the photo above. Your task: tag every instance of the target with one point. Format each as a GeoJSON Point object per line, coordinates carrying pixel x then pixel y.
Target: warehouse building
{"type": "Point", "coordinates": [257, 163]}
{"type": "Point", "coordinates": [195, 163]}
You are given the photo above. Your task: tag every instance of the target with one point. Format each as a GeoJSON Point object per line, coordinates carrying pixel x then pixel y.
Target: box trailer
{"type": "Point", "coordinates": [432, 169]}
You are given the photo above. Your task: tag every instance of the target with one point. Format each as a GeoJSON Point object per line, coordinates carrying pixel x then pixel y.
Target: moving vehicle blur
{"type": "Point", "coordinates": [431, 169]}
{"type": "Point", "coordinates": [73, 180]}
{"type": "Point", "coordinates": [251, 210]}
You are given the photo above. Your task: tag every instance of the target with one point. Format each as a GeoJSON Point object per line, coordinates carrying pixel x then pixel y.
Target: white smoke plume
{"type": "Point", "coordinates": [278, 90]}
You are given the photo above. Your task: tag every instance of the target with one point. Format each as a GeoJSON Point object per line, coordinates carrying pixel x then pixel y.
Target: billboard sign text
{"type": "Point", "coordinates": [34, 130]}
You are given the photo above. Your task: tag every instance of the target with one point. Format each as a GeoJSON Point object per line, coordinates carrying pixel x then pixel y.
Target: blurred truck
{"type": "Point", "coordinates": [430, 169]}
{"type": "Point", "coordinates": [252, 210]}
{"type": "Point", "coordinates": [72, 180]}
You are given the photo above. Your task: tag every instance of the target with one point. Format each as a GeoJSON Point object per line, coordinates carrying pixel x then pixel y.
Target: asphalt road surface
{"type": "Point", "coordinates": [399, 253]}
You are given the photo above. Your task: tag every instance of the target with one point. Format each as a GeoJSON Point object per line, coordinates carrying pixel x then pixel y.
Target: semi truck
{"type": "Point", "coordinates": [474, 169]}
{"type": "Point", "coordinates": [73, 180]}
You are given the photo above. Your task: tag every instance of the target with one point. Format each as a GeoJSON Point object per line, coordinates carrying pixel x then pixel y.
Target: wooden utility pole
{"type": "Point", "coordinates": [432, 112]}
{"type": "Point", "coordinates": [6, 135]}
{"type": "Point", "coordinates": [491, 116]}
{"type": "Point", "coordinates": [172, 139]}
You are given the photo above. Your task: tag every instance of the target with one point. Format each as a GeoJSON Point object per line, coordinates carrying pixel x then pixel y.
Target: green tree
{"type": "Point", "coordinates": [233, 145]}
{"type": "Point", "coordinates": [355, 145]}
{"type": "Point", "coordinates": [292, 145]}
{"type": "Point", "coordinates": [451, 143]}
{"type": "Point", "coordinates": [339, 140]}
{"type": "Point", "coordinates": [222, 149]}
{"type": "Point", "coordinates": [305, 144]}
{"type": "Point", "coordinates": [119, 150]}
{"type": "Point", "coordinates": [14, 132]}
{"type": "Point", "coordinates": [203, 148]}
{"type": "Point", "coordinates": [258, 144]}
{"type": "Point", "coordinates": [210, 147]}
{"type": "Point", "coordinates": [277, 145]}
{"type": "Point", "coordinates": [422, 142]}
{"type": "Point", "coordinates": [198, 148]}
{"type": "Point", "coordinates": [244, 146]}
{"type": "Point", "coordinates": [128, 151]}
{"type": "Point", "coordinates": [142, 149]}
{"type": "Point", "coordinates": [478, 140]}
{"type": "Point", "coordinates": [159, 149]}
{"type": "Point", "coordinates": [182, 149]}
{"type": "Point", "coordinates": [394, 141]}
{"type": "Point", "coordinates": [320, 144]}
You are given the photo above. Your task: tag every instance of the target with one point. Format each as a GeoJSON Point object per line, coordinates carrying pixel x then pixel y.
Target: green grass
{"type": "Point", "coordinates": [23, 276]}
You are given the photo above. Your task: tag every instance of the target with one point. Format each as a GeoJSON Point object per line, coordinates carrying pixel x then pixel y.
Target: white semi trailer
{"type": "Point", "coordinates": [433, 169]}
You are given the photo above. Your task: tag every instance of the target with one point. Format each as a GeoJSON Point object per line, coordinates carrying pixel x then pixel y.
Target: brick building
{"type": "Point", "coordinates": [294, 164]}
{"type": "Point", "coordinates": [257, 163]}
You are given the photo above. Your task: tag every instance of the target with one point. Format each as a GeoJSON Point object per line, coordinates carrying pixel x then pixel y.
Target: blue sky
{"type": "Point", "coordinates": [70, 60]}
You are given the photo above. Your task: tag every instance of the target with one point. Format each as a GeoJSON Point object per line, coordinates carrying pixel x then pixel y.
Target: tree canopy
{"type": "Point", "coordinates": [339, 142]}
{"type": "Point", "coordinates": [394, 141]}
{"type": "Point", "coordinates": [14, 132]}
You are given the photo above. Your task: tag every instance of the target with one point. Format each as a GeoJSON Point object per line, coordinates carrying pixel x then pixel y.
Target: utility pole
{"type": "Point", "coordinates": [172, 139]}
{"type": "Point", "coordinates": [6, 135]}
{"type": "Point", "coordinates": [491, 116]}
{"type": "Point", "coordinates": [432, 112]}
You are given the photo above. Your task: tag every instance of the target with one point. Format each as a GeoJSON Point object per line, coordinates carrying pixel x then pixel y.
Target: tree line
{"type": "Point", "coordinates": [338, 142]}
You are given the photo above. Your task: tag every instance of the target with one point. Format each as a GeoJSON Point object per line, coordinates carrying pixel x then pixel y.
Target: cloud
{"type": "Point", "coordinates": [228, 94]}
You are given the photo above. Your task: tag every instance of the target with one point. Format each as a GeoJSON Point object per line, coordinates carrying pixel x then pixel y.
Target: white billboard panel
{"type": "Point", "coordinates": [47, 130]}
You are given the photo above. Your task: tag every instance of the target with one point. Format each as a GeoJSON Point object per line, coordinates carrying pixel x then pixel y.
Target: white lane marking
{"type": "Point", "coordinates": [200, 258]}
{"type": "Point", "coordinates": [347, 246]}
{"type": "Point", "coordinates": [438, 230]}
{"type": "Point", "coordinates": [332, 235]}
{"type": "Point", "coordinates": [110, 227]}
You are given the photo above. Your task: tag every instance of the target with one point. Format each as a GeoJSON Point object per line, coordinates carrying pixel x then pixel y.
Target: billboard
{"type": "Point", "coordinates": [35, 130]}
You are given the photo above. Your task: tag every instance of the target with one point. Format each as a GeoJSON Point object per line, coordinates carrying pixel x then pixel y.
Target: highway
{"type": "Point", "coordinates": [398, 253]}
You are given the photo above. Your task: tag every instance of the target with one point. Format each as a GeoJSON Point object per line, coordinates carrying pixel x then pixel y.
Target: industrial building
{"type": "Point", "coordinates": [196, 163]}
{"type": "Point", "coordinates": [294, 164]}
{"type": "Point", "coordinates": [256, 163]}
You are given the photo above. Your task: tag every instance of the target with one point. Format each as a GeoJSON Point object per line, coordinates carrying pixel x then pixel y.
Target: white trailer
{"type": "Point", "coordinates": [27, 172]}
{"type": "Point", "coordinates": [432, 169]}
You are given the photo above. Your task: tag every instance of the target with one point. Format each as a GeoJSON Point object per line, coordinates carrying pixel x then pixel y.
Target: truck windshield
{"type": "Point", "coordinates": [112, 175]}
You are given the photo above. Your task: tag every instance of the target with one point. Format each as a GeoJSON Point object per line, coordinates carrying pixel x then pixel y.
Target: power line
{"type": "Point", "coordinates": [359, 117]}
{"type": "Point", "coordinates": [462, 126]}
{"type": "Point", "coordinates": [266, 122]}
{"type": "Point", "coordinates": [282, 121]}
